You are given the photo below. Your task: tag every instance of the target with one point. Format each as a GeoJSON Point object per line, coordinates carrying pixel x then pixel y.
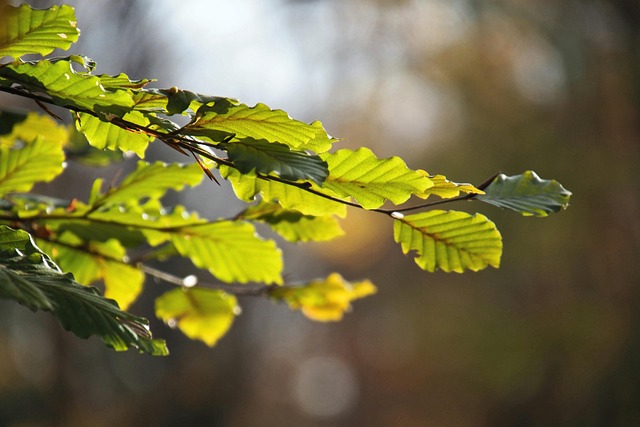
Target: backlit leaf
{"type": "Point", "coordinates": [322, 142]}
{"type": "Point", "coordinates": [102, 134]}
{"type": "Point", "coordinates": [265, 157]}
{"type": "Point", "coordinates": [28, 127]}
{"type": "Point", "coordinates": [527, 193]}
{"type": "Point", "coordinates": [202, 314]}
{"type": "Point", "coordinates": [86, 269]}
{"type": "Point", "coordinates": [324, 300]}
{"type": "Point", "coordinates": [65, 86]}
{"type": "Point", "coordinates": [121, 82]}
{"type": "Point", "coordinates": [22, 166]}
{"type": "Point", "coordinates": [79, 150]}
{"type": "Point", "coordinates": [446, 189]}
{"type": "Point", "coordinates": [122, 282]}
{"type": "Point", "coordinates": [28, 205]}
{"type": "Point", "coordinates": [225, 118]}
{"type": "Point", "coordinates": [131, 225]}
{"type": "Point", "coordinates": [24, 30]}
{"type": "Point", "coordinates": [231, 251]}
{"type": "Point", "coordinates": [28, 276]}
{"type": "Point", "coordinates": [294, 226]}
{"type": "Point", "coordinates": [372, 181]}
{"type": "Point", "coordinates": [247, 186]}
{"type": "Point", "coordinates": [152, 180]}
{"type": "Point", "coordinates": [97, 261]}
{"type": "Point", "coordinates": [449, 240]}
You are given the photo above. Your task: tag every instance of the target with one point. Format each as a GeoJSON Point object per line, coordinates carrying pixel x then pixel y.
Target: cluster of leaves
{"type": "Point", "coordinates": [290, 173]}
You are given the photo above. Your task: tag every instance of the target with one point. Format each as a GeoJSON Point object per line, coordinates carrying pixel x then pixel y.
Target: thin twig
{"type": "Point", "coordinates": [185, 144]}
{"type": "Point", "coordinates": [257, 290]}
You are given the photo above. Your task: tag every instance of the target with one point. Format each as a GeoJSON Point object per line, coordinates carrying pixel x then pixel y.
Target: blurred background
{"type": "Point", "coordinates": [460, 87]}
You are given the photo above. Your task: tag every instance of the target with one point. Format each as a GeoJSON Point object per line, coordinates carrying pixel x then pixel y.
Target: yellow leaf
{"type": "Point", "coordinates": [201, 314]}
{"type": "Point", "coordinates": [444, 188]}
{"type": "Point", "coordinates": [122, 283]}
{"type": "Point", "coordinates": [33, 126]}
{"type": "Point", "coordinates": [324, 300]}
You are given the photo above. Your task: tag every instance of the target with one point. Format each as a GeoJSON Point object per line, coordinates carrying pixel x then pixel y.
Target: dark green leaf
{"type": "Point", "coordinates": [28, 276]}
{"type": "Point", "coordinates": [527, 194]}
{"type": "Point", "coordinates": [265, 157]}
{"type": "Point", "coordinates": [93, 261]}
{"type": "Point", "coordinates": [179, 101]}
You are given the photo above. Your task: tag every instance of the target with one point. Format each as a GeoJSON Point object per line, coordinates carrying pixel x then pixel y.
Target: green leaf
{"type": "Point", "coordinates": [222, 119]}
{"type": "Point", "coordinates": [24, 30]}
{"type": "Point", "coordinates": [247, 186]}
{"type": "Point", "coordinates": [322, 142]}
{"type": "Point", "coordinates": [121, 82]}
{"type": "Point", "coordinates": [446, 189]}
{"type": "Point", "coordinates": [85, 268]}
{"type": "Point", "coordinates": [527, 194]}
{"type": "Point", "coordinates": [65, 86]}
{"type": "Point", "coordinates": [98, 230]}
{"type": "Point", "coordinates": [27, 205]}
{"type": "Point", "coordinates": [231, 251]}
{"type": "Point", "coordinates": [97, 261]}
{"type": "Point", "coordinates": [176, 101]}
{"type": "Point", "coordinates": [28, 276]}
{"type": "Point", "coordinates": [79, 150]}
{"type": "Point", "coordinates": [294, 226]}
{"type": "Point", "coordinates": [152, 180]}
{"type": "Point", "coordinates": [28, 127]}
{"type": "Point", "coordinates": [150, 215]}
{"type": "Point", "coordinates": [324, 300]}
{"type": "Point", "coordinates": [265, 157]}
{"type": "Point", "coordinates": [372, 181]}
{"type": "Point", "coordinates": [122, 282]}
{"type": "Point", "coordinates": [102, 134]}
{"type": "Point", "coordinates": [450, 240]}
{"type": "Point", "coordinates": [202, 314]}
{"type": "Point", "coordinates": [131, 225]}
{"type": "Point", "coordinates": [22, 166]}
{"type": "Point", "coordinates": [149, 101]}
{"type": "Point", "coordinates": [14, 284]}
